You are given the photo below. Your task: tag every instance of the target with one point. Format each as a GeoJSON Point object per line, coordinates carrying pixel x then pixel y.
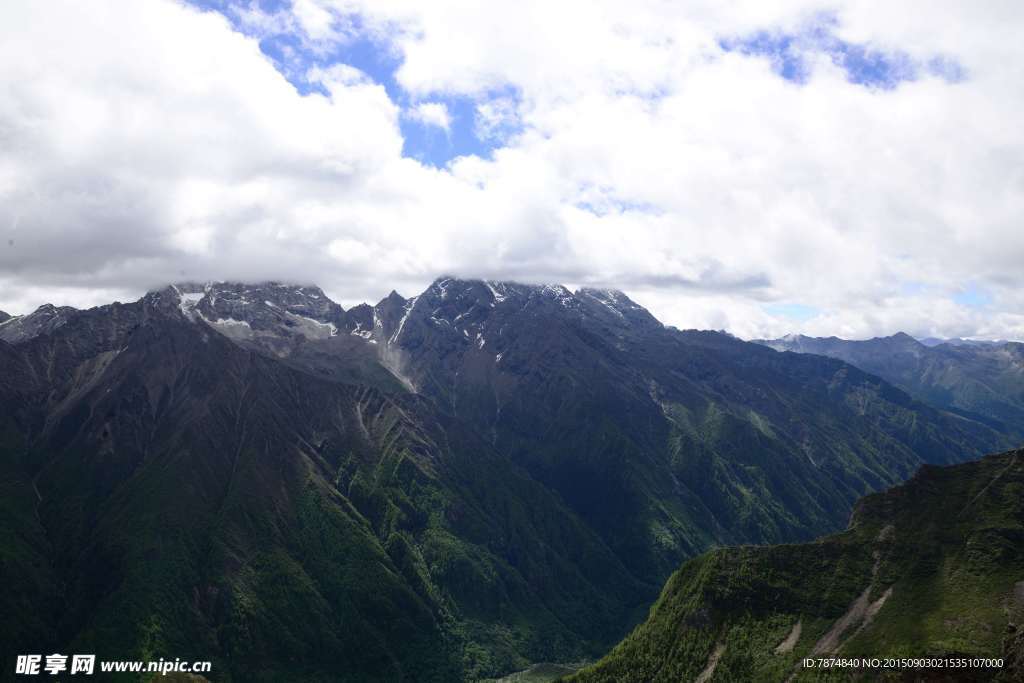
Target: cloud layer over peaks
{"type": "Point", "coordinates": [759, 167]}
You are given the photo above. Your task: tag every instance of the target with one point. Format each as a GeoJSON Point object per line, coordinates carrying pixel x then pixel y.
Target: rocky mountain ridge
{"type": "Point", "coordinates": [984, 381]}
{"type": "Point", "coordinates": [504, 472]}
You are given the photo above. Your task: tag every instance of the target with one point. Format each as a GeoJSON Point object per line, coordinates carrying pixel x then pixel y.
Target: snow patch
{"type": "Point", "coordinates": [365, 334]}
{"type": "Point", "coordinates": [401, 324]}
{"type": "Point", "coordinates": [328, 327]}
{"type": "Point", "coordinates": [560, 294]}
{"type": "Point", "coordinates": [187, 302]}
{"type": "Point", "coordinates": [360, 332]}
{"type": "Point", "coordinates": [229, 322]}
{"type": "Point", "coordinates": [608, 299]}
{"type": "Point", "coordinates": [498, 296]}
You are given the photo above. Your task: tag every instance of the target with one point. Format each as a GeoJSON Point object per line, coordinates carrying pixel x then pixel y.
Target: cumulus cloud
{"type": "Point", "coordinates": [431, 114]}
{"type": "Point", "coordinates": [149, 141]}
{"type": "Point", "coordinates": [497, 118]}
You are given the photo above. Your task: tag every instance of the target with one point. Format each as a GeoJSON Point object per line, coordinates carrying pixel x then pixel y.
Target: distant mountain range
{"type": "Point", "coordinates": [443, 487]}
{"type": "Point", "coordinates": [930, 569]}
{"type": "Point", "coordinates": [956, 341]}
{"type": "Point", "coordinates": [981, 380]}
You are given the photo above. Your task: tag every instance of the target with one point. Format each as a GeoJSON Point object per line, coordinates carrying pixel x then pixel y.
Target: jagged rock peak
{"type": "Point", "coordinates": [243, 309]}
{"type": "Point", "coordinates": [619, 305]}
{"type": "Point", "coordinates": [392, 299]}
{"type": "Point", "coordinates": [45, 319]}
{"type": "Point", "coordinates": [904, 338]}
{"type": "Point", "coordinates": [614, 299]}
{"type": "Point", "coordinates": [495, 292]}
{"type": "Point", "coordinates": [449, 297]}
{"type": "Point", "coordinates": [242, 293]}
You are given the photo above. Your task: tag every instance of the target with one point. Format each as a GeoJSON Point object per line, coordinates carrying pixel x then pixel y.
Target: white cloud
{"type": "Point", "coordinates": [495, 117]}
{"type": "Point", "coordinates": [431, 114]}
{"type": "Point", "coordinates": [142, 142]}
{"type": "Point", "coordinates": [316, 21]}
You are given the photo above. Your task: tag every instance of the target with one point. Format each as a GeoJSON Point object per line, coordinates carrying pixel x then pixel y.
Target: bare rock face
{"type": "Point", "coordinates": [1013, 654]}
{"type": "Point", "coordinates": [43, 320]}
{"type": "Point", "coordinates": [269, 309]}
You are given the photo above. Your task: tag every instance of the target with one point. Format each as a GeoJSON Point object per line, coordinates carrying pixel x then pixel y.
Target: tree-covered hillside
{"type": "Point", "coordinates": [932, 568]}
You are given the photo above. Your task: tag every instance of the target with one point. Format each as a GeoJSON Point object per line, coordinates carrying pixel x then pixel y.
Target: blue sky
{"type": "Point", "coordinates": [792, 311]}
{"type": "Point", "coordinates": [973, 296]}
{"type": "Point", "coordinates": [873, 67]}
{"type": "Point", "coordinates": [424, 142]}
{"type": "Point", "coordinates": [791, 55]}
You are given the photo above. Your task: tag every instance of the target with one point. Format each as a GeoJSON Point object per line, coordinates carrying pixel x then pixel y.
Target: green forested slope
{"type": "Point", "coordinates": [169, 494]}
{"type": "Point", "coordinates": [932, 568]}
{"type": "Point", "coordinates": [446, 488]}
{"type": "Point", "coordinates": [984, 380]}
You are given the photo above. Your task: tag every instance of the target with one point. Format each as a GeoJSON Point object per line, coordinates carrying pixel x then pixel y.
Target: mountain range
{"type": "Point", "coordinates": [959, 341]}
{"type": "Point", "coordinates": [444, 487]}
{"type": "Point", "coordinates": [980, 380]}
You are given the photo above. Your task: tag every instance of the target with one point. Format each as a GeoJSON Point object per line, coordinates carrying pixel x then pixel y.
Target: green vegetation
{"type": "Point", "coordinates": [538, 673]}
{"type": "Point", "coordinates": [932, 568]}
{"type": "Point", "coordinates": [204, 502]}
{"type": "Point", "coordinates": [171, 492]}
{"type": "Point", "coordinates": [982, 381]}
